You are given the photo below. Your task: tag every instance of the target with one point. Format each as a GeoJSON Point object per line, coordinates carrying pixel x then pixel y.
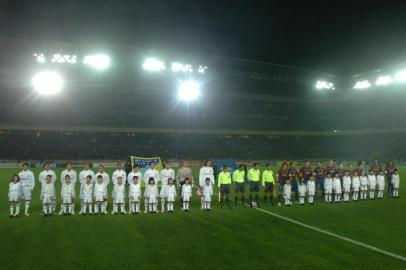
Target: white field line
{"type": "Point", "coordinates": [393, 255]}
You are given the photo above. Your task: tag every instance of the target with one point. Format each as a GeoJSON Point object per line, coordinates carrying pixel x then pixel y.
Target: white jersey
{"type": "Point", "coordinates": [328, 185]}
{"type": "Point", "coordinates": [395, 181]}
{"type": "Point", "coordinates": [166, 174]}
{"type": "Point", "coordinates": [170, 193]}
{"type": "Point", "coordinates": [207, 192]}
{"type": "Point", "coordinates": [287, 190]}
{"type": "Point", "coordinates": [73, 176]}
{"type": "Point", "coordinates": [48, 192]}
{"type": "Point", "coordinates": [43, 176]}
{"type": "Point", "coordinates": [131, 175]}
{"type": "Point", "coordinates": [151, 193]}
{"type": "Point", "coordinates": [100, 192]}
{"type": "Point", "coordinates": [355, 183]}
{"type": "Point", "coordinates": [380, 181]}
{"type": "Point", "coordinates": [186, 192]}
{"type": "Point", "coordinates": [337, 185]}
{"type": "Point", "coordinates": [206, 172]}
{"type": "Point", "coordinates": [347, 183]}
{"type": "Point", "coordinates": [119, 193]}
{"type": "Point", "coordinates": [119, 173]}
{"type": "Point", "coordinates": [85, 173]}
{"type": "Point", "coordinates": [311, 188]}
{"type": "Point", "coordinates": [88, 192]}
{"type": "Point", "coordinates": [27, 179]}
{"type": "Point", "coordinates": [67, 193]}
{"type": "Point", "coordinates": [372, 181]}
{"type": "Point", "coordinates": [364, 181]}
{"type": "Point", "coordinates": [134, 192]}
{"type": "Point", "coordinates": [14, 191]}
{"type": "Point", "coordinates": [302, 190]}
{"type": "Point", "coordinates": [106, 177]}
{"type": "Point", "coordinates": [151, 173]}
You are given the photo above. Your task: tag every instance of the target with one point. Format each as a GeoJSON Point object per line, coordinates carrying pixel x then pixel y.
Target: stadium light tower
{"type": "Point", "coordinates": [401, 76]}
{"type": "Point", "coordinates": [189, 90]}
{"type": "Point", "coordinates": [325, 85]}
{"type": "Point", "coordinates": [47, 82]}
{"type": "Point", "coordinates": [384, 80]}
{"type": "Point", "coordinates": [97, 61]}
{"type": "Point", "coordinates": [153, 64]}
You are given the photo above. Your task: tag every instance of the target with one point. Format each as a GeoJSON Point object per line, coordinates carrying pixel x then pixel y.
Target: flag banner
{"type": "Point", "coordinates": [143, 162]}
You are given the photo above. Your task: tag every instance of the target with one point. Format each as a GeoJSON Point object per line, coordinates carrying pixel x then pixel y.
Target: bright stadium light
{"type": "Point", "coordinates": [362, 85]}
{"type": "Point", "coordinates": [325, 85]}
{"type": "Point", "coordinates": [189, 90]}
{"type": "Point", "coordinates": [384, 80]}
{"type": "Point", "coordinates": [152, 64]}
{"type": "Point", "coordinates": [175, 67]}
{"type": "Point", "coordinates": [401, 76]}
{"type": "Point", "coordinates": [97, 61]}
{"type": "Point", "coordinates": [39, 57]}
{"type": "Point", "coordinates": [47, 82]}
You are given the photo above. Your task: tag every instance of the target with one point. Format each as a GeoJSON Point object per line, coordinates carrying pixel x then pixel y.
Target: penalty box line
{"type": "Point", "coordinates": [387, 253]}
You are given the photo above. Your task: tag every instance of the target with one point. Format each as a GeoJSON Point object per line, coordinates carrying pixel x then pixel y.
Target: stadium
{"type": "Point", "coordinates": [117, 89]}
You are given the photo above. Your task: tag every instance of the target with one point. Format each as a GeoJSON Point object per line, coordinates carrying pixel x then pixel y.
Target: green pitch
{"type": "Point", "coordinates": [221, 239]}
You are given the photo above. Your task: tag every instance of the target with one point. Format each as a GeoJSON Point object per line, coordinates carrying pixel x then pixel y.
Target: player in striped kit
{"type": "Point", "coordinates": [319, 172]}
{"type": "Point", "coordinates": [166, 173]}
{"type": "Point", "coordinates": [282, 176]}
{"type": "Point", "coordinates": [27, 182]}
{"type": "Point", "coordinates": [106, 181]}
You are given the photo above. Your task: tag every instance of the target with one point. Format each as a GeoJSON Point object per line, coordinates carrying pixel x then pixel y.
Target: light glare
{"type": "Point", "coordinates": [97, 61]}
{"type": "Point", "coordinates": [401, 76]}
{"type": "Point", "coordinates": [384, 80]}
{"type": "Point", "coordinates": [362, 85]}
{"type": "Point", "coordinates": [152, 64]}
{"type": "Point", "coordinates": [47, 82]}
{"type": "Point", "coordinates": [325, 85]}
{"type": "Point", "coordinates": [189, 91]}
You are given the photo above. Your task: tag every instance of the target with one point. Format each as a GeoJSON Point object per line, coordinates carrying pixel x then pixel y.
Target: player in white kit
{"type": "Point", "coordinates": [364, 186]}
{"type": "Point", "coordinates": [43, 179]}
{"type": "Point", "coordinates": [337, 188]}
{"type": "Point", "coordinates": [88, 195]}
{"type": "Point", "coordinates": [48, 196]}
{"type": "Point", "coordinates": [371, 184]}
{"type": "Point", "coordinates": [301, 191]}
{"type": "Point", "coordinates": [67, 196]}
{"type": "Point", "coordinates": [166, 173]}
{"type": "Point", "coordinates": [119, 197]}
{"type": "Point", "coordinates": [287, 192]}
{"type": "Point", "coordinates": [106, 180]}
{"type": "Point", "coordinates": [346, 186]}
{"type": "Point", "coordinates": [151, 195]}
{"type": "Point", "coordinates": [207, 194]}
{"type": "Point", "coordinates": [100, 194]}
{"type": "Point", "coordinates": [205, 172]}
{"type": "Point", "coordinates": [395, 182]}
{"type": "Point", "coordinates": [380, 182]}
{"type": "Point", "coordinates": [186, 194]}
{"type": "Point", "coordinates": [14, 194]}
{"type": "Point", "coordinates": [27, 182]}
{"type": "Point", "coordinates": [119, 172]}
{"type": "Point", "coordinates": [170, 195]}
{"type": "Point", "coordinates": [82, 179]}
{"type": "Point", "coordinates": [355, 186]}
{"type": "Point", "coordinates": [328, 188]}
{"type": "Point", "coordinates": [311, 189]}
{"type": "Point", "coordinates": [134, 195]}
{"type": "Point", "coordinates": [151, 172]}
{"type": "Point", "coordinates": [73, 178]}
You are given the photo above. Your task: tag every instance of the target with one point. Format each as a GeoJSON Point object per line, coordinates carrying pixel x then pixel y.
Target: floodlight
{"type": "Point", "coordinates": [47, 82]}
{"type": "Point", "coordinates": [97, 61]}
{"type": "Point", "coordinates": [384, 80]}
{"type": "Point", "coordinates": [401, 76]}
{"type": "Point", "coordinates": [189, 90]}
{"type": "Point", "coordinates": [175, 67]}
{"type": "Point", "coordinates": [325, 85]}
{"type": "Point", "coordinates": [39, 57]}
{"type": "Point", "coordinates": [362, 85]}
{"type": "Point", "coordinates": [152, 64]}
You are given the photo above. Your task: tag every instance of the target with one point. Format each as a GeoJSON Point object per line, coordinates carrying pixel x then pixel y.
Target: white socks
{"type": "Point", "coordinates": [185, 205]}
{"type": "Point", "coordinates": [310, 199]}
{"type": "Point", "coordinates": [371, 194]}
{"type": "Point", "coordinates": [163, 205]}
{"type": "Point", "coordinates": [27, 206]}
{"type": "Point", "coordinates": [301, 200]}
{"type": "Point", "coordinates": [355, 196]}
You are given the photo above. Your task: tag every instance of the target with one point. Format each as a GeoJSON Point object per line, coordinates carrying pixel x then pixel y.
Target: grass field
{"type": "Point", "coordinates": [221, 239]}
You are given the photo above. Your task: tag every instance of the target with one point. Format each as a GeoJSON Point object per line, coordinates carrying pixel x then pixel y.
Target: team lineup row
{"type": "Point", "coordinates": [93, 187]}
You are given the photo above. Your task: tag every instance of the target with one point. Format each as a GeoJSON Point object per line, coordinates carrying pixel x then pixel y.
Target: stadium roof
{"type": "Point", "coordinates": [338, 37]}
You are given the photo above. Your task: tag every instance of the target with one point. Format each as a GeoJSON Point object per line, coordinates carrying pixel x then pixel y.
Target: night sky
{"type": "Point", "coordinates": [341, 37]}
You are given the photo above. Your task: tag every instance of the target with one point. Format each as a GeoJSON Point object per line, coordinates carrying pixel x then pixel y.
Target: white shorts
{"type": "Point", "coordinates": [171, 198]}
{"type": "Point", "coordinates": [395, 184]}
{"type": "Point", "coordinates": [87, 198]}
{"type": "Point", "coordinates": [46, 198]}
{"type": "Point", "coordinates": [151, 199]}
{"type": "Point", "coordinates": [119, 199]}
{"type": "Point", "coordinates": [67, 198]}
{"type": "Point", "coordinates": [328, 190]}
{"type": "Point", "coordinates": [381, 187]}
{"type": "Point", "coordinates": [347, 188]}
{"type": "Point", "coordinates": [287, 196]}
{"type": "Point", "coordinates": [186, 198]}
{"type": "Point", "coordinates": [162, 194]}
{"type": "Point", "coordinates": [364, 188]}
{"type": "Point", "coordinates": [26, 193]}
{"type": "Point", "coordinates": [207, 198]}
{"type": "Point", "coordinates": [13, 197]}
{"type": "Point", "coordinates": [311, 192]}
{"type": "Point", "coordinates": [135, 197]}
{"type": "Point", "coordinates": [302, 194]}
{"type": "Point", "coordinates": [99, 197]}
{"type": "Point", "coordinates": [355, 189]}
